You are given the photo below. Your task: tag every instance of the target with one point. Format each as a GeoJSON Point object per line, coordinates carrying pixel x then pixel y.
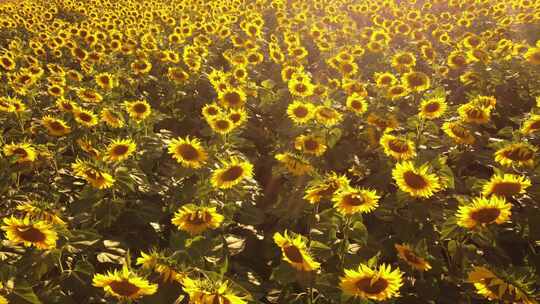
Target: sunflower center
{"type": "Point", "coordinates": [139, 108]}
{"type": "Point", "coordinates": [376, 287]}
{"type": "Point", "coordinates": [232, 98]}
{"type": "Point", "coordinates": [415, 181]}
{"type": "Point", "coordinates": [199, 218]}
{"type": "Point", "coordinates": [21, 152]}
{"type": "Point", "coordinates": [475, 113]}
{"type": "Point", "coordinates": [519, 154]}
{"type": "Point", "coordinates": [506, 188]}
{"type": "Point", "coordinates": [212, 111]}
{"type": "Point", "coordinates": [386, 80]}
{"type": "Point", "coordinates": [432, 107]}
{"type": "Point", "coordinates": [124, 288]}
{"type": "Point", "coordinates": [293, 254]}
{"type": "Point", "coordinates": [326, 113]}
{"type": "Point", "coordinates": [31, 234]}
{"type": "Point", "coordinates": [311, 145]}
{"type": "Point", "coordinates": [353, 200]}
{"type": "Point", "coordinates": [120, 149]}
{"type": "Point", "coordinates": [300, 112]}
{"type": "Point", "coordinates": [222, 124]}
{"type": "Point", "coordinates": [233, 173]}
{"type": "Point", "coordinates": [357, 105]}
{"type": "Point", "coordinates": [486, 215]}
{"type": "Point", "coordinates": [411, 257]}
{"type": "Point", "coordinates": [188, 152]}
{"type": "Point", "coordinates": [300, 88]}
{"type": "Point", "coordinates": [85, 117]}
{"type": "Point", "coordinates": [55, 125]}
{"type": "Point", "coordinates": [535, 125]}
{"type": "Point", "coordinates": [416, 80]}
{"type": "Point", "coordinates": [405, 60]}
{"type": "Point", "coordinates": [398, 146]}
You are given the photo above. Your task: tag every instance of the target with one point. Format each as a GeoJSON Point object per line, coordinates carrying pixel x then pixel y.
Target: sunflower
{"type": "Point", "coordinates": [231, 173]}
{"type": "Point", "coordinates": [238, 116]}
{"type": "Point", "coordinates": [85, 117]}
{"type": "Point", "coordinates": [89, 95]}
{"type": "Point", "coordinates": [195, 219]}
{"type": "Point", "coordinates": [531, 125]}
{"type": "Point", "coordinates": [458, 133]}
{"type": "Point", "coordinates": [398, 148]}
{"type": "Point", "coordinates": [310, 144]}
{"type": "Point", "coordinates": [301, 88]}
{"type": "Point", "coordinates": [23, 152]}
{"type": "Point", "coordinates": [472, 113]}
{"type": "Point", "coordinates": [295, 164]}
{"type": "Point", "coordinates": [159, 263]}
{"type": "Point", "coordinates": [403, 61]}
{"type": "Point", "coordinates": [65, 105]}
{"type": "Point", "coordinates": [432, 108]}
{"type": "Point", "coordinates": [416, 181]}
{"type": "Point", "coordinates": [483, 211]}
{"type": "Point", "coordinates": [351, 200]}
{"type": "Point", "coordinates": [112, 118]}
{"type": "Point", "coordinates": [327, 116]}
{"type": "Point", "coordinates": [119, 150]}
{"type": "Point", "coordinates": [357, 103]}
{"type": "Point", "coordinates": [97, 178]}
{"type": "Point", "coordinates": [138, 109]}
{"type": "Point", "coordinates": [232, 97]}
{"type": "Point", "coordinates": [188, 152]}
{"type": "Point", "coordinates": [533, 55]}
{"type": "Point", "coordinates": [374, 284]}
{"type": "Point", "coordinates": [494, 288]}
{"type": "Point", "coordinates": [41, 211]}
{"type": "Point", "coordinates": [416, 81]}
{"type": "Point", "coordinates": [124, 284]}
{"type": "Point", "coordinates": [295, 251]}
{"type": "Point", "coordinates": [141, 67]}
{"type": "Point", "coordinates": [106, 81]}
{"type": "Point", "coordinates": [210, 291]}
{"type": "Point", "coordinates": [326, 188]}
{"type": "Point", "coordinates": [518, 154]}
{"type": "Point", "coordinates": [177, 75]}
{"type": "Point", "coordinates": [7, 63]}
{"type": "Point", "coordinates": [55, 126]}
{"type": "Point", "coordinates": [3, 300]}
{"type": "Point", "coordinates": [406, 253]}
{"type": "Point", "coordinates": [397, 91]}
{"type": "Point", "coordinates": [457, 60]}
{"type": "Point", "coordinates": [506, 185]}
{"type": "Point", "coordinates": [210, 111]}
{"type": "Point", "coordinates": [384, 80]}
{"type": "Point", "coordinates": [300, 112]}
{"type": "Point", "coordinates": [30, 232]}
{"type": "Point", "coordinates": [87, 147]}
{"type": "Point", "coordinates": [221, 124]}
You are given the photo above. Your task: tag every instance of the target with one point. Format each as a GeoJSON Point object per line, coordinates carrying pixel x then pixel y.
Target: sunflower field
{"type": "Point", "coordinates": [269, 151]}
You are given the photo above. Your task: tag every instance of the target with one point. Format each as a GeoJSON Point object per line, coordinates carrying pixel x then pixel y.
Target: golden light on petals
{"type": "Point", "coordinates": [378, 284]}
{"type": "Point", "coordinates": [484, 211]}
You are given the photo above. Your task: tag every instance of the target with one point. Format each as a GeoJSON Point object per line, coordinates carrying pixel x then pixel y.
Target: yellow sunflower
{"type": "Point", "coordinates": [432, 108]}
{"type": "Point", "coordinates": [97, 178]}
{"type": "Point", "coordinates": [106, 81]}
{"type": "Point", "coordinates": [112, 118]}
{"type": "Point", "coordinates": [518, 154]}
{"type": "Point", "coordinates": [398, 148]}
{"type": "Point", "coordinates": [483, 211]}
{"type": "Point", "coordinates": [352, 200]}
{"type": "Point", "coordinates": [55, 126]}
{"type": "Point", "coordinates": [85, 117]}
{"type": "Point", "coordinates": [221, 124]}
{"type": "Point", "coordinates": [23, 152]}
{"type": "Point", "coordinates": [124, 284]}
{"type": "Point", "coordinates": [231, 173]}
{"type": "Point", "coordinates": [3, 300]}
{"type": "Point", "coordinates": [119, 150]}
{"type": "Point", "coordinates": [203, 291]}
{"type": "Point", "coordinates": [295, 251]}
{"type": "Point", "coordinates": [65, 105]}
{"type": "Point", "coordinates": [416, 181]}
{"type": "Point", "coordinates": [27, 232]}
{"type": "Point", "coordinates": [327, 116]}
{"type": "Point", "coordinates": [357, 103]}
{"type": "Point", "coordinates": [89, 95]}
{"type": "Point", "coordinates": [378, 284]}
{"type": "Point", "coordinates": [533, 55]}
{"type": "Point", "coordinates": [159, 263]}
{"type": "Point", "coordinates": [301, 88]}
{"type": "Point", "coordinates": [238, 116]}
{"type": "Point", "coordinates": [310, 144]}
{"type": "Point", "coordinates": [416, 81]}
{"type": "Point", "coordinates": [403, 61]}
{"type": "Point", "coordinates": [406, 253]}
{"type": "Point", "coordinates": [506, 185]}
{"type": "Point", "coordinates": [295, 164]}
{"type": "Point", "coordinates": [326, 187]}
{"type": "Point", "coordinates": [195, 219]}
{"type": "Point", "coordinates": [188, 152]}
{"type": "Point", "coordinates": [494, 288]}
{"type": "Point", "coordinates": [232, 97]}
{"type": "Point", "coordinates": [300, 112]}
{"type": "Point", "coordinates": [458, 133]}
{"type": "Point", "coordinates": [531, 125]}
{"type": "Point", "coordinates": [397, 91]}
{"type": "Point", "coordinates": [211, 111]}
{"type": "Point", "coordinates": [472, 113]}
{"type": "Point", "coordinates": [138, 110]}
{"type": "Point", "coordinates": [383, 80]}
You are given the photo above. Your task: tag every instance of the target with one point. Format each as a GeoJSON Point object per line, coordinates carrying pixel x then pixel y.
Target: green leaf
{"type": "Point", "coordinates": [23, 294]}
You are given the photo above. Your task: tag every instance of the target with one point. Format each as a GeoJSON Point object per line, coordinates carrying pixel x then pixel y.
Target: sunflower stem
{"type": "Point", "coordinates": [345, 244]}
